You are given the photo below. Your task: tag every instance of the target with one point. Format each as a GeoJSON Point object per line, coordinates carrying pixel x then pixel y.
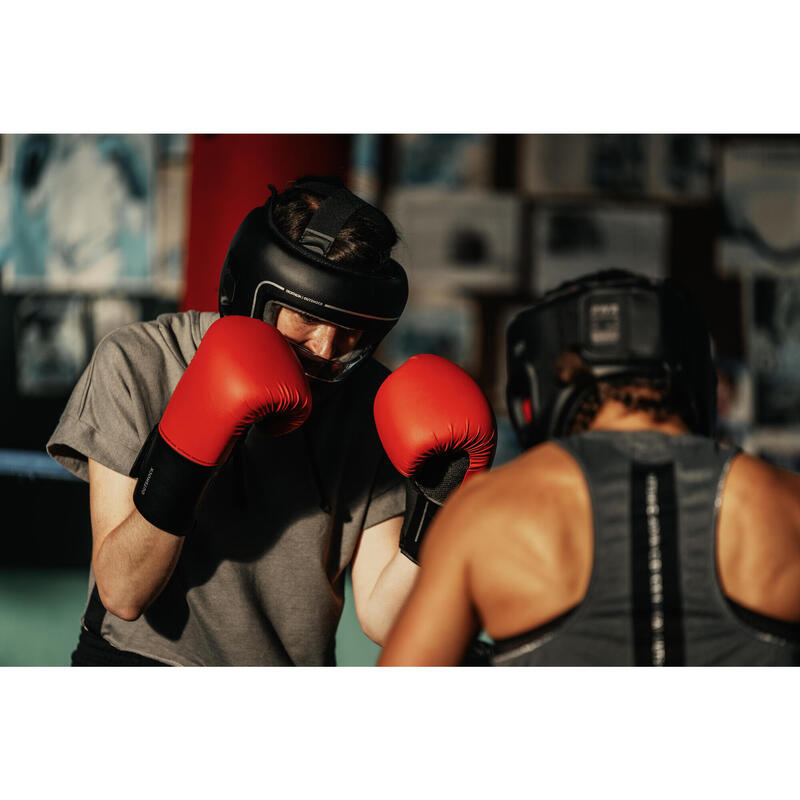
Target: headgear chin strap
{"type": "Point", "coordinates": [264, 270]}
{"type": "Point", "coordinates": [621, 325]}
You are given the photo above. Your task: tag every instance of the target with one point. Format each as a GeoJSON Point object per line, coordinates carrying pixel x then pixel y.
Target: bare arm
{"type": "Point", "coordinates": [132, 560]}
{"type": "Point", "coordinates": [382, 578]}
{"type": "Point", "coordinates": [439, 621]}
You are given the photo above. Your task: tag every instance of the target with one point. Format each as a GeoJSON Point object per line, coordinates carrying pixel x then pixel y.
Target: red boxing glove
{"type": "Point", "coordinates": [243, 371]}
{"type": "Point", "coordinates": [438, 429]}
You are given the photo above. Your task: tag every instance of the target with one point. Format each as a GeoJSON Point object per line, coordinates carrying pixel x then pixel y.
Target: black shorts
{"type": "Point", "coordinates": [95, 651]}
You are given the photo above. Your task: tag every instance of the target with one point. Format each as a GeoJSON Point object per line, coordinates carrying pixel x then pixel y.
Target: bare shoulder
{"type": "Point", "coordinates": [751, 467]}
{"type": "Point", "coordinates": [758, 538]}
{"type": "Point", "coordinates": [529, 491]}
{"type": "Point", "coordinates": [547, 461]}
{"type": "Point", "coordinates": [520, 536]}
{"type": "Point", "coordinates": [757, 488]}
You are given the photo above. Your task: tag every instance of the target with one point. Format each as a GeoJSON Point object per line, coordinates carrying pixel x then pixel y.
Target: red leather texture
{"type": "Point", "coordinates": [243, 371]}
{"type": "Point", "coordinates": [431, 406]}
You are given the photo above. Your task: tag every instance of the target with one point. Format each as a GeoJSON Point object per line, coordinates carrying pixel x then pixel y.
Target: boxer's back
{"type": "Point", "coordinates": [540, 559]}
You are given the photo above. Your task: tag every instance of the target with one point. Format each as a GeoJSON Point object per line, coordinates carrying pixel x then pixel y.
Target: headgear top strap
{"type": "Point", "coordinates": [329, 219]}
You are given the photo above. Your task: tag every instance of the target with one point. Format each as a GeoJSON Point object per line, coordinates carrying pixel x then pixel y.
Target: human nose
{"type": "Point", "coordinates": [322, 341]}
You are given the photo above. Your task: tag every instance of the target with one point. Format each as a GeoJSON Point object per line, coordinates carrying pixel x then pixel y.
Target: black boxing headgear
{"type": "Point", "coordinates": [265, 270]}
{"type": "Point", "coordinates": [622, 325]}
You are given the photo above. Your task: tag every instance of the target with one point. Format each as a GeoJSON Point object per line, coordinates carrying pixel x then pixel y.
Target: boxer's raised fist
{"type": "Point", "coordinates": [243, 371]}
{"type": "Point", "coordinates": [438, 430]}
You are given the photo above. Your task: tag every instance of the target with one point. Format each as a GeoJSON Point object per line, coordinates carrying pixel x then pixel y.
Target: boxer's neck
{"type": "Point", "coordinates": [616, 416]}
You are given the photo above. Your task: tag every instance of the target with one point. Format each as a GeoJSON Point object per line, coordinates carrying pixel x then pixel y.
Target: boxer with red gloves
{"type": "Point", "coordinates": [243, 372]}
{"type": "Point", "coordinates": [216, 541]}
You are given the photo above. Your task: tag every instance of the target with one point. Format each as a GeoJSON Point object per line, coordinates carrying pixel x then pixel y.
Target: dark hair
{"type": "Point", "coordinates": [363, 244]}
{"type": "Point", "coordinates": [657, 395]}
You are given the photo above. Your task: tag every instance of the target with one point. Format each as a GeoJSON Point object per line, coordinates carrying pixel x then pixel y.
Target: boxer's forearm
{"type": "Point", "coordinates": [133, 564]}
{"type": "Point", "coordinates": [378, 612]}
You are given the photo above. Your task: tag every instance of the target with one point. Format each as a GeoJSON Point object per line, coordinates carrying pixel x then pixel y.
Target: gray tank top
{"type": "Point", "coordinates": [654, 598]}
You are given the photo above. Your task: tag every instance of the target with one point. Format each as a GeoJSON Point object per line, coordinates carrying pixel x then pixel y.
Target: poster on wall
{"type": "Point", "coordinates": [672, 167]}
{"type": "Point", "coordinates": [109, 313]}
{"type": "Point", "coordinates": [5, 205]}
{"type": "Point", "coordinates": [52, 346]}
{"type": "Point", "coordinates": [439, 324]}
{"type": "Point", "coordinates": [170, 229]}
{"type": "Point", "coordinates": [80, 213]}
{"type": "Point", "coordinates": [573, 240]}
{"type": "Point", "coordinates": [364, 176]}
{"type": "Point", "coordinates": [444, 160]}
{"type": "Point", "coordinates": [172, 148]}
{"type": "Point", "coordinates": [458, 240]}
{"type": "Point", "coordinates": [681, 167]}
{"type": "Point", "coordinates": [774, 350]}
{"type": "Point", "coordinates": [761, 209]}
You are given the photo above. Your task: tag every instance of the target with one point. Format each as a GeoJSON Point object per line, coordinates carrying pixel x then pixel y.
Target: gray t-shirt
{"type": "Point", "coordinates": [260, 579]}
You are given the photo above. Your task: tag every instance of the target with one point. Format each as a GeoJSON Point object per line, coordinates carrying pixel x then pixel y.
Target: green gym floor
{"type": "Point", "coordinates": [40, 611]}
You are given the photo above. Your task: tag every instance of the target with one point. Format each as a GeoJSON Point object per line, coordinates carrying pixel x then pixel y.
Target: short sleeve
{"type": "Point", "coordinates": [115, 404]}
{"type": "Point", "coordinates": [388, 497]}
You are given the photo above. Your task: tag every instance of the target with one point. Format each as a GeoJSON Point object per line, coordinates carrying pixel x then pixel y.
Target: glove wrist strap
{"type": "Point", "coordinates": [169, 485]}
{"type": "Point", "coordinates": [420, 512]}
